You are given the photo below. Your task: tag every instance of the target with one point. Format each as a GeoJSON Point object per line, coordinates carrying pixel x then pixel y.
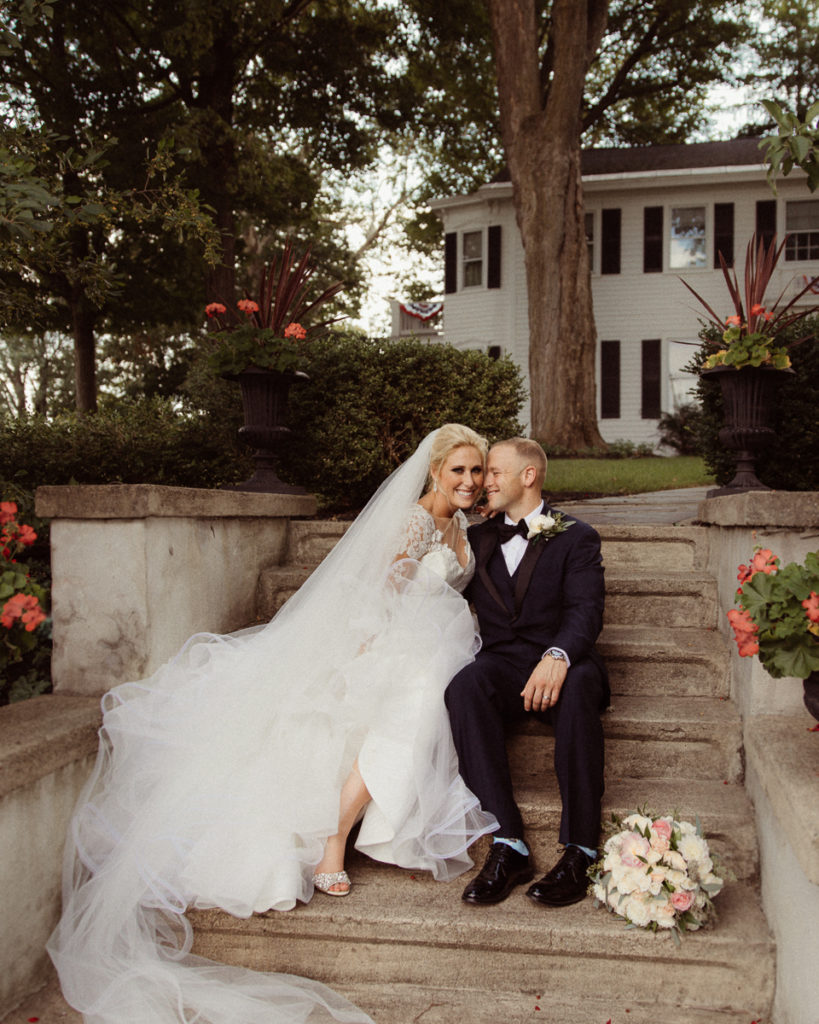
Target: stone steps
{"type": "Point", "coordinates": [407, 949]}
{"type": "Point", "coordinates": [676, 738]}
{"type": "Point", "coordinates": [685, 661]}
{"type": "Point", "coordinates": [399, 929]}
{"type": "Point", "coordinates": [635, 547]}
{"type": "Point", "coordinates": [723, 810]}
{"type": "Point", "coordinates": [633, 596]}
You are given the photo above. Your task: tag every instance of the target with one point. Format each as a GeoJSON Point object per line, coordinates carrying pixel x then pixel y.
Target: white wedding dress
{"type": "Point", "coordinates": [218, 778]}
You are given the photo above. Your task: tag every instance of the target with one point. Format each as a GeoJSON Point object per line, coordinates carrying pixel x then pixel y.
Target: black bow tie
{"type": "Point", "coordinates": [506, 531]}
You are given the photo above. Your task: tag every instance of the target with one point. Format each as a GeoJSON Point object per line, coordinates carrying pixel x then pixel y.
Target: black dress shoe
{"type": "Point", "coordinates": [566, 883]}
{"type": "Point", "coordinates": [503, 870]}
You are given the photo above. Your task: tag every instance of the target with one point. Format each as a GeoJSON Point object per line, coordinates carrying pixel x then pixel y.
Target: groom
{"type": "Point", "coordinates": [539, 604]}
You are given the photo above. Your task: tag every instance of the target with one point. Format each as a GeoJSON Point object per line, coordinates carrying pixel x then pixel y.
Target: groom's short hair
{"type": "Point", "coordinates": [530, 454]}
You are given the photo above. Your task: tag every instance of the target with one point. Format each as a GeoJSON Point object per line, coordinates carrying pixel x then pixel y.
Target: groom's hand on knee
{"type": "Point", "coordinates": [544, 685]}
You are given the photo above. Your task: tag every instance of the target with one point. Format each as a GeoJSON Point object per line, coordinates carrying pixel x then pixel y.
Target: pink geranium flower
{"type": "Point", "coordinates": [811, 606]}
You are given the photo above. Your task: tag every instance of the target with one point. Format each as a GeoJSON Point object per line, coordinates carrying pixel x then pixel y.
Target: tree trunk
{"type": "Point", "coordinates": [85, 362]}
{"type": "Point", "coordinates": [541, 137]}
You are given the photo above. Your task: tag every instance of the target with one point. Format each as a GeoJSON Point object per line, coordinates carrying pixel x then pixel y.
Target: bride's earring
{"type": "Point", "coordinates": [434, 486]}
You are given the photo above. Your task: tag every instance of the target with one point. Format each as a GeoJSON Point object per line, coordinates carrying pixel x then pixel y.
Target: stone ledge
{"type": "Point", "coordinates": [794, 509]}
{"type": "Point", "coordinates": [784, 755]}
{"type": "Point", "coordinates": [41, 735]}
{"type": "Point", "coordinates": [142, 501]}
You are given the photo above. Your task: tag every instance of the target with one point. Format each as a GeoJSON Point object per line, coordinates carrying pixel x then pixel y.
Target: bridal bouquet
{"type": "Point", "coordinates": [656, 873]}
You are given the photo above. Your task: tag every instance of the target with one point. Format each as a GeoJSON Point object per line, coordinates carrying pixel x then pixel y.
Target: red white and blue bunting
{"type": "Point", "coordinates": [422, 310]}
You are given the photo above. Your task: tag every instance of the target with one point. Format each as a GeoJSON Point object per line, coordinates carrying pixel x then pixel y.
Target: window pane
{"type": "Point", "coordinates": [802, 215]}
{"type": "Point", "coordinates": [802, 225]}
{"type": "Point", "coordinates": [687, 237]}
{"type": "Point", "coordinates": [472, 274]}
{"type": "Point", "coordinates": [473, 249]}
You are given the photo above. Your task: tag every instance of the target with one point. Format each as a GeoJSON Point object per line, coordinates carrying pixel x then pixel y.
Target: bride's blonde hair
{"type": "Point", "coordinates": [449, 437]}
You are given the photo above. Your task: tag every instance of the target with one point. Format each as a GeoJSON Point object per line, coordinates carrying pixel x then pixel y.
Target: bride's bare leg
{"type": "Point", "coordinates": [354, 797]}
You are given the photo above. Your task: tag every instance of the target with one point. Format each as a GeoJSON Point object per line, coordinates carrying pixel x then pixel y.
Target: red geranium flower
{"type": "Point", "coordinates": [295, 331]}
{"type": "Point", "coordinates": [8, 512]}
{"type": "Point", "coordinates": [213, 308]}
{"type": "Point", "coordinates": [248, 306]}
{"type": "Point", "coordinates": [26, 536]}
{"type": "Point", "coordinates": [811, 606]}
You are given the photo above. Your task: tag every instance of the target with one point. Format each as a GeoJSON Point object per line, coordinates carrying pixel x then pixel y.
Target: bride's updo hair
{"type": "Point", "coordinates": [449, 437]}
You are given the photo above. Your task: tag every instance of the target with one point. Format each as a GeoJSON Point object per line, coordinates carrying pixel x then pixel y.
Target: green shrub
{"type": "Point", "coordinates": [364, 409]}
{"type": "Point", "coordinates": [791, 461]}
{"type": "Point", "coordinates": [132, 442]}
{"type": "Point", "coordinates": [367, 405]}
{"type": "Point", "coordinates": [680, 429]}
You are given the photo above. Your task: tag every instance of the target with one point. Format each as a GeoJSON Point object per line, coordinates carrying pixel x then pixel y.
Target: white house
{"type": "Point", "coordinates": [653, 215]}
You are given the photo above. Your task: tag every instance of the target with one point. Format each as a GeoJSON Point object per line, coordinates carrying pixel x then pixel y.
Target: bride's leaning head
{"type": "Point", "coordinates": [456, 468]}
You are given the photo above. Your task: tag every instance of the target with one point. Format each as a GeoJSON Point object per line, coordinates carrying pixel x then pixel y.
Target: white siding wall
{"type": "Point", "coordinates": [629, 306]}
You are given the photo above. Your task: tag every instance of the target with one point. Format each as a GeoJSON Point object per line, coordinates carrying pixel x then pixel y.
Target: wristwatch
{"type": "Point", "coordinates": [553, 652]}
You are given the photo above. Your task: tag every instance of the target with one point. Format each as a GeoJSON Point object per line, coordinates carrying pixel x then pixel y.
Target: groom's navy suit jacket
{"type": "Point", "coordinates": [554, 599]}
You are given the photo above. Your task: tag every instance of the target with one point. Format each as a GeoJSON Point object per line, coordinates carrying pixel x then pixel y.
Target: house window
{"type": "Point", "coordinates": [472, 249]}
{"type": "Point", "coordinates": [687, 237]}
{"type": "Point", "coordinates": [723, 233]}
{"type": "Point", "coordinates": [650, 406]}
{"type": "Point", "coordinates": [610, 380]}
{"type": "Point", "coordinates": [610, 221]}
{"type": "Point", "coordinates": [802, 225]}
{"type": "Point", "coordinates": [766, 220]}
{"type": "Point", "coordinates": [589, 226]}
{"type": "Point", "coordinates": [494, 351]}
{"type": "Point", "coordinates": [652, 240]}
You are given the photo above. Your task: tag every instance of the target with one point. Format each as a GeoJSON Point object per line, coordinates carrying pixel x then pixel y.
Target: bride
{"type": "Point", "coordinates": [232, 777]}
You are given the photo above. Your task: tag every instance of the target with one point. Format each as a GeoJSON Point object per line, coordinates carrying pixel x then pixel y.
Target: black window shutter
{"type": "Point", "coordinates": [493, 270]}
{"type": "Point", "coordinates": [450, 262]}
{"type": "Point", "coordinates": [765, 220]}
{"type": "Point", "coordinates": [610, 242]}
{"type": "Point", "coordinates": [609, 380]}
{"type": "Point", "coordinates": [652, 240]}
{"type": "Point", "coordinates": [651, 379]}
{"type": "Point", "coordinates": [724, 233]}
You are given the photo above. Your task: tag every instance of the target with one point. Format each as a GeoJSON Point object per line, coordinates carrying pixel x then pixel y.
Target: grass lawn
{"type": "Point", "coordinates": [598, 477]}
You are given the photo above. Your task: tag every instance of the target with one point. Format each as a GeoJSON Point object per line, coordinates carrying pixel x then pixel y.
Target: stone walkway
{"type": "Point", "coordinates": [661, 507]}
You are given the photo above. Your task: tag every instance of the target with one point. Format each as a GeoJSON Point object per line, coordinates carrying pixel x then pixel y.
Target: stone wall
{"type": "Point", "coordinates": [47, 748]}
{"type": "Point", "coordinates": [138, 568]}
{"type": "Point", "coordinates": [782, 755]}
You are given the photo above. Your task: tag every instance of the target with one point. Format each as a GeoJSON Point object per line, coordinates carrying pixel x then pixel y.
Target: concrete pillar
{"type": "Point", "coordinates": [139, 568]}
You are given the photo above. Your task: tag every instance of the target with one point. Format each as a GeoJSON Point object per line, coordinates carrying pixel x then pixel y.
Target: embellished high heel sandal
{"type": "Point", "coordinates": [324, 879]}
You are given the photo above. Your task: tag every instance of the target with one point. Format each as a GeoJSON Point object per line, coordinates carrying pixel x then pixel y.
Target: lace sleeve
{"type": "Point", "coordinates": [419, 529]}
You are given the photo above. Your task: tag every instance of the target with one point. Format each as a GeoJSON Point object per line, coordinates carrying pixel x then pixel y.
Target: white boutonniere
{"type": "Point", "coordinates": [543, 527]}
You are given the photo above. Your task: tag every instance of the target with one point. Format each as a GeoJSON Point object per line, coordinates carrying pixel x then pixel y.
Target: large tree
{"type": "Point", "coordinates": [258, 97]}
{"type": "Point", "coordinates": [541, 137]}
{"type": "Point", "coordinates": [567, 68]}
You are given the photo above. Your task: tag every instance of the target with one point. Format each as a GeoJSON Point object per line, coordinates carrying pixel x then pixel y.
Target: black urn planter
{"type": "Point", "coordinates": [264, 403]}
{"type": "Point", "coordinates": [748, 396]}
{"type": "Point", "coordinates": [811, 694]}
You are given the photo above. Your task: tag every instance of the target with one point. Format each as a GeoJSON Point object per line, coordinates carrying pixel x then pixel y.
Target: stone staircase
{"type": "Point", "coordinates": [407, 949]}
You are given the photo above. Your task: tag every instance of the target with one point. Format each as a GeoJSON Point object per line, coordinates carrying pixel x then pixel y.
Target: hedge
{"type": "Point", "coordinates": [365, 407]}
